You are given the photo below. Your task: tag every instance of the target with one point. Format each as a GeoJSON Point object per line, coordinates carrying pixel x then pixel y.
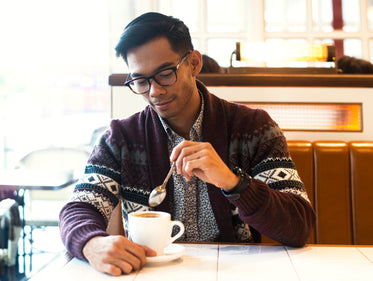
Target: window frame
{"type": "Point", "coordinates": [255, 27]}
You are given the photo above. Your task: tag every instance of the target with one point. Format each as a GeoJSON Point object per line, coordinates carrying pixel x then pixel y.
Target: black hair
{"type": "Point", "coordinates": [210, 65]}
{"type": "Point", "coordinates": [150, 26]}
{"type": "Point", "coordinates": [354, 65]}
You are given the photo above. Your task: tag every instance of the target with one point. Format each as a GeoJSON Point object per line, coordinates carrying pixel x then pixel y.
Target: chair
{"type": "Point", "coordinates": [42, 207]}
{"type": "Point", "coordinates": [96, 134]}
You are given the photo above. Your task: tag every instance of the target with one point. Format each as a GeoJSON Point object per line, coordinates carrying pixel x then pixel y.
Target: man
{"type": "Point", "coordinates": [234, 177]}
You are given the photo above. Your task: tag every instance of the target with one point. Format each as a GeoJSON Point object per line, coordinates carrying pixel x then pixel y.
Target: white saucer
{"type": "Point", "coordinates": [171, 252]}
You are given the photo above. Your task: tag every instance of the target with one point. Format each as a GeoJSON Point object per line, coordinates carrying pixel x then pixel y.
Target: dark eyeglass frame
{"type": "Point", "coordinates": [174, 70]}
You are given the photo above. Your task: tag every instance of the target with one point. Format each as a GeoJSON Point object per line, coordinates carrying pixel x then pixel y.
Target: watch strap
{"type": "Point", "coordinates": [243, 183]}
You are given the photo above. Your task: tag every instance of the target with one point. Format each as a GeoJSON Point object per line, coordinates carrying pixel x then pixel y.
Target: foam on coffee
{"type": "Point", "coordinates": [147, 215]}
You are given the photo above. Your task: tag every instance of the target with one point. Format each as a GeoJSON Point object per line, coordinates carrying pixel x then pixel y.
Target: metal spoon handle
{"type": "Point", "coordinates": [169, 173]}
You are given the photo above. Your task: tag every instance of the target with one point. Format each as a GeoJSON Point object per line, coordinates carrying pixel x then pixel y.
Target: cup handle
{"type": "Point", "coordinates": [181, 230]}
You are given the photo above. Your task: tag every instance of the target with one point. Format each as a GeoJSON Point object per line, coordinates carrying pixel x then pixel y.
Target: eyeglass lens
{"type": "Point", "coordinates": [164, 78]}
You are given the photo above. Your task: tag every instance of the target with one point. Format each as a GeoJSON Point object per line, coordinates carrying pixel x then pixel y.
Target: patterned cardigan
{"type": "Point", "coordinates": [131, 158]}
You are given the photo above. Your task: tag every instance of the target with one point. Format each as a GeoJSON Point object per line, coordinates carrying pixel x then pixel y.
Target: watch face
{"type": "Point", "coordinates": [238, 171]}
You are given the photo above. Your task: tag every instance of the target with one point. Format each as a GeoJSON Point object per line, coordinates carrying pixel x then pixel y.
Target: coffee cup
{"type": "Point", "coordinates": [153, 229]}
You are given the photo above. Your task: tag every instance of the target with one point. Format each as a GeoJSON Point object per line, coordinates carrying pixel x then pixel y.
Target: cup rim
{"type": "Point", "coordinates": [161, 213]}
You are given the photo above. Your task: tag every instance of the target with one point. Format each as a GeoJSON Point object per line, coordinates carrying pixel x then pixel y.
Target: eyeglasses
{"type": "Point", "coordinates": [165, 77]}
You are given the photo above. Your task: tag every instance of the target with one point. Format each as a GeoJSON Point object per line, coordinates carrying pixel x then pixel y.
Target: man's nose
{"type": "Point", "coordinates": [155, 88]}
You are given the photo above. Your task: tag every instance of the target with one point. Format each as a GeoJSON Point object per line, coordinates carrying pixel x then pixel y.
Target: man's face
{"type": "Point", "coordinates": [170, 102]}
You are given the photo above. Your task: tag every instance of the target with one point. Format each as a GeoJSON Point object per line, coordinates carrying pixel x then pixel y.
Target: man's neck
{"type": "Point", "coordinates": [183, 125]}
{"type": "Point", "coordinates": [183, 129]}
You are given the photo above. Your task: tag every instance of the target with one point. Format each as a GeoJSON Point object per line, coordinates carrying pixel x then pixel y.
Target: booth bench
{"type": "Point", "coordinates": [338, 177]}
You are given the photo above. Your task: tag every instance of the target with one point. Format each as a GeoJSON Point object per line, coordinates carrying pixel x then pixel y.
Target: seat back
{"type": "Point", "coordinates": [361, 157]}
{"type": "Point", "coordinates": [57, 159]}
{"type": "Point", "coordinates": [332, 192]}
{"type": "Point", "coordinates": [51, 159]}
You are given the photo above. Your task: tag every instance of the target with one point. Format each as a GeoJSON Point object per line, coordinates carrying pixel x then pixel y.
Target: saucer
{"type": "Point", "coordinates": [171, 252]}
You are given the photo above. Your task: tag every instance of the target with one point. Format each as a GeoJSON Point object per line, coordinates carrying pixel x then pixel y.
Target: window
{"type": "Point", "coordinates": [212, 23]}
{"type": "Point", "coordinates": [56, 55]}
{"type": "Point", "coordinates": [370, 15]}
{"type": "Point", "coordinates": [53, 74]}
{"type": "Point", "coordinates": [216, 25]}
{"type": "Point", "coordinates": [352, 32]}
{"type": "Point", "coordinates": [285, 16]}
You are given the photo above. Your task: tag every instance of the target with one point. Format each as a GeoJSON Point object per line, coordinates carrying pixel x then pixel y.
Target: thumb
{"type": "Point", "coordinates": [149, 252]}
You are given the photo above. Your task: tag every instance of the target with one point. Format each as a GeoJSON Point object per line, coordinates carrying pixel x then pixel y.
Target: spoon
{"type": "Point", "coordinates": [158, 194]}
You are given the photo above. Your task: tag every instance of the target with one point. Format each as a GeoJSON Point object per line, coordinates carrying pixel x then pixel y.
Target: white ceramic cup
{"type": "Point", "coordinates": [153, 229]}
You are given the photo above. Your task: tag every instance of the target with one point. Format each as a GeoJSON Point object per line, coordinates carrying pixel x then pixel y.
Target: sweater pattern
{"type": "Point", "coordinates": [129, 161]}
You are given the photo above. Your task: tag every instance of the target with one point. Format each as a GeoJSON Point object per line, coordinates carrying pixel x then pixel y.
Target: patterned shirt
{"type": "Point", "coordinates": [192, 204]}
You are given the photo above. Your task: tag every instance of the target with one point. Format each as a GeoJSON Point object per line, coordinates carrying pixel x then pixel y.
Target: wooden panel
{"type": "Point", "coordinates": [332, 192]}
{"type": "Point", "coordinates": [361, 155]}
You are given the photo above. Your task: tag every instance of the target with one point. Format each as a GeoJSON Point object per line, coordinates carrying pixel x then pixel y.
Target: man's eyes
{"type": "Point", "coordinates": [160, 75]}
{"type": "Point", "coordinates": [139, 82]}
{"type": "Point", "coordinates": [165, 73]}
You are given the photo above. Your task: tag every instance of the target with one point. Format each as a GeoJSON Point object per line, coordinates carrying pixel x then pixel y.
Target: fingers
{"type": "Point", "coordinates": [201, 160]}
{"type": "Point", "coordinates": [193, 165]}
{"type": "Point", "coordinates": [129, 260]}
{"type": "Point", "coordinates": [115, 255]}
{"type": "Point", "coordinates": [114, 270]}
{"type": "Point", "coordinates": [192, 158]}
{"type": "Point", "coordinates": [130, 253]}
{"type": "Point", "coordinates": [149, 252]}
{"type": "Point", "coordinates": [125, 264]}
{"type": "Point", "coordinates": [133, 250]}
{"type": "Point", "coordinates": [180, 148]}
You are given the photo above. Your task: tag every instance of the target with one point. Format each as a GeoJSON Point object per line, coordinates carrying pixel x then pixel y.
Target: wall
{"type": "Point", "coordinates": [280, 89]}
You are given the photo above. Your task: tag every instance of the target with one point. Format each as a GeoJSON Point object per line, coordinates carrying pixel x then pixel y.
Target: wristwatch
{"type": "Point", "coordinates": [245, 180]}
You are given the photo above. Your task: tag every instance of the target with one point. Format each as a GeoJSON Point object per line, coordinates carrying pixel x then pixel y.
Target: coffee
{"type": "Point", "coordinates": [153, 229]}
{"type": "Point", "coordinates": [147, 215]}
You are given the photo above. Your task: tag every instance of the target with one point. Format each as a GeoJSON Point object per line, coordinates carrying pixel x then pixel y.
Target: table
{"type": "Point", "coordinates": [19, 180]}
{"type": "Point", "coordinates": [220, 262]}
{"type": "Point", "coordinates": [36, 179]}
{"type": "Point", "coordinates": [13, 183]}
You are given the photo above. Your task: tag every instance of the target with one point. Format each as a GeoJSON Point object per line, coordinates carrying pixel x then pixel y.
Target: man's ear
{"type": "Point", "coordinates": [195, 62]}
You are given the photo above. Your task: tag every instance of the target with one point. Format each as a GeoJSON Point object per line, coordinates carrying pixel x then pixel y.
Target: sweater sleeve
{"type": "Point", "coordinates": [79, 222]}
{"type": "Point", "coordinates": [285, 217]}
{"type": "Point", "coordinates": [275, 203]}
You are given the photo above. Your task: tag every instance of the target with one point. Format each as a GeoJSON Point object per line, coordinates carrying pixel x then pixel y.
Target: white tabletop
{"type": "Point", "coordinates": [36, 179]}
{"type": "Point", "coordinates": [212, 262]}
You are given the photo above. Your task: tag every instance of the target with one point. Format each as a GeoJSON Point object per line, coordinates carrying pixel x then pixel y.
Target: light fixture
{"type": "Point", "coordinates": [284, 52]}
{"type": "Point", "coordinates": [288, 57]}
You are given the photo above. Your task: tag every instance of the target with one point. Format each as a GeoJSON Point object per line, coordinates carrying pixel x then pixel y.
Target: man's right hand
{"type": "Point", "coordinates": [115, 254]}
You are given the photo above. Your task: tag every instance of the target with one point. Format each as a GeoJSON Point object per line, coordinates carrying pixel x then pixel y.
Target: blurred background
{"type": "Point", "coordinates": [56, 56]}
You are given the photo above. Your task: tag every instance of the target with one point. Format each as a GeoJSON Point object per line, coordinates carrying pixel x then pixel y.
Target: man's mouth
{"type": "Point", "coordinates": [162, 105]}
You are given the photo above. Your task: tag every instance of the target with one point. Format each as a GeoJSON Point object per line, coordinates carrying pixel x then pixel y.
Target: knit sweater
{"type": "Point", "coordinates": [132, 158]}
